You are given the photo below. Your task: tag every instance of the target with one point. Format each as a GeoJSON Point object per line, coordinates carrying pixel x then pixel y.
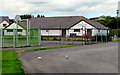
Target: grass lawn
{"type": "Point", "coordinates": [11, 64]}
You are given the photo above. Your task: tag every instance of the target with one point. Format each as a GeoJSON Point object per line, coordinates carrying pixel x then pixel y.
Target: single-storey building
{"type": "Point", "coordinates": [4, 21]}
{"type": "Point", "coordinates": [67, 26]}
{"type": "Point", "coordinates": [13, 28]}
{"type": "Point", "coordinates": [9, 27]}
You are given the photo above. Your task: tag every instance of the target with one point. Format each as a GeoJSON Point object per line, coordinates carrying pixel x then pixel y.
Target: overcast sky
{"type": "Point", "coordinates": [87, 8]}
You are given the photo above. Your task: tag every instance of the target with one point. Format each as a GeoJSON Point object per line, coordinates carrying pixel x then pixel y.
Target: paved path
{"type": "Point", "coordinates": [45, 44]}
{"type": "Point", "coordinates": [96, 58]}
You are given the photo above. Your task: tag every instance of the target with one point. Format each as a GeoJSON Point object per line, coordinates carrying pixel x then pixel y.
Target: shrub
{"type": "Point", "coordinates": [115, 32]}
{"type": "Point", "coordinates": [54, 38]}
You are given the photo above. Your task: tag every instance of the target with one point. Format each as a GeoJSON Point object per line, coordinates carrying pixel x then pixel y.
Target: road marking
{"type": "Point", "coordinates": [39, 57]}
{"type": "Point", "coordinates": [66, 56]}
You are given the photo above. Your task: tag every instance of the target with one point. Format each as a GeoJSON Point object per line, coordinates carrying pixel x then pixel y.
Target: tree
{"type": "Point", "coordinates": [115, 23]}
{"type": "Point", "coordinates": [42, 16]}
{"type": "Point", "coordinates": [108, 21]}
{"type": "Point", "coordinates": [11, 20]}
{"type": "Point", "coordinates": [26, 16]}
{"type": "Point", "coordinates": [38, 15]}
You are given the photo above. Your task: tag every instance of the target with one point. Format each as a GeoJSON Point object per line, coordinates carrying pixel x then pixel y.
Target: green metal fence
{"type": "Point", "coordinates": [20, 37]}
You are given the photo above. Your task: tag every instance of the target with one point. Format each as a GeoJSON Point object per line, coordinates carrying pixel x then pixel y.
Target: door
{"type": "Point", "coordinates": [63, 32]}
{"type": "Point", "coordinates": [89, 33]}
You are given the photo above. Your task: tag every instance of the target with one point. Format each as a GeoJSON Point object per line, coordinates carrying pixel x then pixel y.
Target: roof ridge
{"type": "Point", "coordinates": [57, 17]}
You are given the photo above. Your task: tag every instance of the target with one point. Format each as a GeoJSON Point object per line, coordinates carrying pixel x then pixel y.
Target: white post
{"type": "Point", "coordinates": [106, 37]}
{"type": "Point", "coordinates": [14, 41]}
{"type": "Point", "coordinates": [16, 34]}
{"type": "Point", "coordinates": [27, 34]}
{"type": "Point", "coordinates": [1, 38]}
{"type": "Point", "coordinates": [60, 35]}
{"type": "Point", "coordinates": [39, 37]}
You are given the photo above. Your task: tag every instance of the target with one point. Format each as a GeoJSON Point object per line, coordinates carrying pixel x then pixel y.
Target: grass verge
{"type": "Point", "coordinates": [115, 41]}
{"type": "Point", "coordinates": [38, 49]}
{"type": "Point", "coordinates": [11, 63]}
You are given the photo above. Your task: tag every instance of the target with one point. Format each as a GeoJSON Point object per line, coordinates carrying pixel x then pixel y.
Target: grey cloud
{"type": "Point", "coordinates": [64, 8]}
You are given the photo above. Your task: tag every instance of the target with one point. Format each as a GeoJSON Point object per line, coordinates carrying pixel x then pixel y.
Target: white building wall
{"type": "Point", "coordinates": [71, 30]}
{"type": "Point", "coordinates": [12, 33]}
{"type": "Point", "coordinates": [94, 31]}
{"type": "Point", "coordinates": [14, 26]}
{"type": "Point", "coordinates": [81, 25]}
{"type": "Point", "coordinates": [103, 32]}
{"type": "Point", "coordinates": [50, 32]}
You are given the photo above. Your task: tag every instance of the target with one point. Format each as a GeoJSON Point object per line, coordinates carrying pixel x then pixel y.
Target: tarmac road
{"type": "Point", "coordinates": [96, 58]}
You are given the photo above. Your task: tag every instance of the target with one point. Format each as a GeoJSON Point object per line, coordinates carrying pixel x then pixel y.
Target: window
{"type": "Point", "coordinates": [72, 34]}
{"type": "Point", "coordinates": [47, 30]}
{"type": "Point", "coordinates": [4, 25]}
{"type": "Point", "coordinates": [9, 30]}
{"type": "Point", "coordinates": [76, 30]}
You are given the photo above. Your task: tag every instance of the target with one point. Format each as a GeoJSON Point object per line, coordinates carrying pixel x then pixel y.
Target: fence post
{"type": "Point", "coordinates": [1, 38]}
{"type": "Point", "coordinates": [39, 37]}
{"type": "Point", "coordinates": [96, 37]}
{"type": "Point", "coordinates": [106, 37]}
{"type": "Point", "coordinates": [14, 38]}
{"type": "Point", "coordinates": [27, 38]}
{"type": "Point", "coordinates": [27, 32]}
{"type": "Point", "coordinates": [101, 37]}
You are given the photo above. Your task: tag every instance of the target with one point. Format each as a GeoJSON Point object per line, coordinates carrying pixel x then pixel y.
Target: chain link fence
{"type": "Point", "coordinates": [20, 37]}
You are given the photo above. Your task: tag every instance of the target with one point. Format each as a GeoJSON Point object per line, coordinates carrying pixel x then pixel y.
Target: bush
{"type": "Point", "coordinates": [54, 38]}
{"type": "Point", "coordinates": [115, 32]}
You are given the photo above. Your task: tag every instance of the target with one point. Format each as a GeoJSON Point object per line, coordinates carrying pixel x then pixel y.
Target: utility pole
{"type": "Point", "coordinates": [27, 33]}
{"type": "Point", "coordinates": [117, 21]}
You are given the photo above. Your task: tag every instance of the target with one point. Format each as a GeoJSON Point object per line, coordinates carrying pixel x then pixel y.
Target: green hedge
{"type": "Point", "coordinates": [115, 32]}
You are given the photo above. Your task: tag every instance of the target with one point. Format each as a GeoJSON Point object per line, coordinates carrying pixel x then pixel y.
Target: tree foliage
{"type": "Point", "coordinates": [38, 15]}
{"type": "Point", "coordinates": [108, 21]}
{"type": "Point", "coordinates": [11, 20]}
{"type": "Point", "coordinates": [26, 16]}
